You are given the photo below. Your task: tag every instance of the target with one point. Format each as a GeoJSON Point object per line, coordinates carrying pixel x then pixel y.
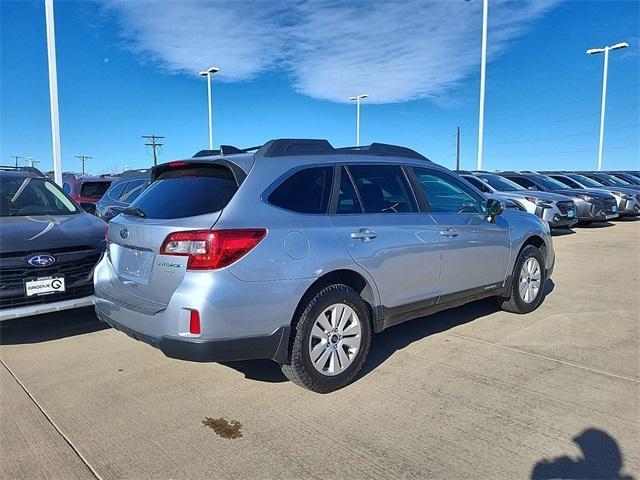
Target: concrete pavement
{"type": "Point", "coordinates": [468, 393]}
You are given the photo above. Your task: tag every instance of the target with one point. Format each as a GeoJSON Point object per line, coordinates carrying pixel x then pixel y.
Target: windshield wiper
{"type": "Point", "coordinates": [135, 211]}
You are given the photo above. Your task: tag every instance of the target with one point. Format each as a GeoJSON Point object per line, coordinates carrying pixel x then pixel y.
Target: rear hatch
{"type": "Point", "coordinates": [183, 196]}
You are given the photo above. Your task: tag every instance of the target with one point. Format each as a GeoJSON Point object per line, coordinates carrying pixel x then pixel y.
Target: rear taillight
{"type": "Point", "coordinates": [210, 249]}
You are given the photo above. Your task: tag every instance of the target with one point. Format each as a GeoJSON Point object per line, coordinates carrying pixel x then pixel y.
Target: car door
{"type": "Point", "coordinates": [474, 249]}
{"type": "Point", "coordinates": [376, 215]}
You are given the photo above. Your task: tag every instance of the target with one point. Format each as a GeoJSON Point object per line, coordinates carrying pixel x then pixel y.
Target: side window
{"type": "Point", "coordinates": [383, 189]}
{"type": "Point", "coordinates": [116, 191]}
{"type": "Point", "coordinates": [566, 180]}
{"type": "Point", "coordinates": [446, 194]}
{"type": "Point", "coordinates": [523, 182]}
{"type": "Point", "coordinates": [347, 198]}
{"type": "Point", "coordinates": [66, 187]}
{"type": "Point", "coordinates": [479, 184]}
{"type": "Point", "coordinates": [131, 191]}
{"type": "Point", "coordinates": [306, 191]}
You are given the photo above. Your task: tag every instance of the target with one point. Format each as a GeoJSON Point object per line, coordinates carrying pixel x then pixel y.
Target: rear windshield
{"type": "Point", "coordinates": [188, 192]}
{"type": "Point", "coordinates": [94, 189]}
{"type": "Point", "coordinates": [23, 196]}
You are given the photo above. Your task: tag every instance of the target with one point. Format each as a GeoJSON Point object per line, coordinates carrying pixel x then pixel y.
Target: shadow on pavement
{"type": "Point", "coordinates": [601, 458]}
{"type": "Point", "coordinates": [628, 219]}
{"type": "Point", "coordinates": [597, 225]}
{"type": "Point", "coordinates": [561, 232]}
{"type": "Point", "coordinates": [389, 341]}
{"type": "Point", "coordinates": [50, 326]}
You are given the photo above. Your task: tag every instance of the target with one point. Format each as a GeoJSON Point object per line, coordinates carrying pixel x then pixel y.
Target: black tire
{"type": "Point", "coordinates": [300, 370]}
{"type": "Point", "coordinates": [514, 302]}
{"type": "Point", "coordinates": [584, 223]}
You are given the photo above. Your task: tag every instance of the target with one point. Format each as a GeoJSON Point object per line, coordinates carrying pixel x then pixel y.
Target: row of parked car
{"type": "Point", "coordinates": [294, 251]}
{"type": "Point", "coordinates": [563, 198]}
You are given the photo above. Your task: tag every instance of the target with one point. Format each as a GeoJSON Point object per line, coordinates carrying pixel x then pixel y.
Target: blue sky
{"type": "Point", "coordinates": [128, 69]}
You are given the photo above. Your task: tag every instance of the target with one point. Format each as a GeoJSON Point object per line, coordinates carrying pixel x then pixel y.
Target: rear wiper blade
{"type": "Point", "coordinates": [135, 211]}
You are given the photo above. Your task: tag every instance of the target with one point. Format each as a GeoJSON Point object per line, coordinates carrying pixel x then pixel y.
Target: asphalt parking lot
{"type": "Point", "coordinates": [470, 392]}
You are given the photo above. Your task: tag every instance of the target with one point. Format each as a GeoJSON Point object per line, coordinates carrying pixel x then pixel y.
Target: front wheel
{"type": "Point", "coordinates": [332, 338]}
{"type": "Point", "coordinates": [527, 282]}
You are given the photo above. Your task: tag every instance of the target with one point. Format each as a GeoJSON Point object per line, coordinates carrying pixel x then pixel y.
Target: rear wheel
{"type": "Point", "coordinates": [331, 342]}
{"type": "Point", "coordinates": [527, 283]}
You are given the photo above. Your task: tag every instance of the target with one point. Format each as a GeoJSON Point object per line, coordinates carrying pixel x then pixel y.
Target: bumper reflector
{"type": "Point", "coordinates": [194, 323]}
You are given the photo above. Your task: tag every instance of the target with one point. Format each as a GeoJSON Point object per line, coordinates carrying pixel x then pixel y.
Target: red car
{"type": "Point", "coordinates": [86, 190]}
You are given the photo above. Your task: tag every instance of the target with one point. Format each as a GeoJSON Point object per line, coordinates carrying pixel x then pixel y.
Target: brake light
{"type": "Point", "coordinates": [177, 164]}
{"type": "Point", "coordinates": [211, 249]}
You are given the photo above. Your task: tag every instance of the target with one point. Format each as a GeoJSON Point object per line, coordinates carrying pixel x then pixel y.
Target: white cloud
{"type": "Point", "coordinates": [330, 49]}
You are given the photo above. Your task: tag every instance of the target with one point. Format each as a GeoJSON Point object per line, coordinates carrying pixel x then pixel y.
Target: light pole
{"type": "Point", "coordinates": [208, 73]}
{"type": "Point", "coordinates": [53, 91]}
{"type": "Point", "coordinates": [483, 70]}
{"type": "Point", "coordinates": [357, 98]}
{"type": "Point", "coordinates": [604, 50]}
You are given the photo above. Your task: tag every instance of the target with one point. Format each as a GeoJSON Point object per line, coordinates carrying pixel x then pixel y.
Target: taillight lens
{"type": "Point", "coordinates": [210, 249]}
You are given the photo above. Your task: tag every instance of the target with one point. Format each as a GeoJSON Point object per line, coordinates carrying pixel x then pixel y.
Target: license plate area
{"type": "Point", "coordinates": [132, 264]}
{"type": "Point", "coordinates": [44, 285]}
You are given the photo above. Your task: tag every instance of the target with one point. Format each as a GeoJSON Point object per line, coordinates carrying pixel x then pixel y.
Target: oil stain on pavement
{"type": "Point", "coordinates": [224, 428]}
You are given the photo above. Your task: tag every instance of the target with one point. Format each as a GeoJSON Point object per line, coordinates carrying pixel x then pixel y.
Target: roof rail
{"type": "Point", "coordinates": [463, 172]}
{"type": "Point", "coordinates": [305, 146]}
{"type": "Point", "coordinates": [11, 168]}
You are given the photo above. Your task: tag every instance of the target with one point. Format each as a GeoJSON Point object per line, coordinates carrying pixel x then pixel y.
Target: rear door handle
{"type": "Point", "coordinates": [449, 232]}
{"type": "Point", "coordinates": [364, 234]}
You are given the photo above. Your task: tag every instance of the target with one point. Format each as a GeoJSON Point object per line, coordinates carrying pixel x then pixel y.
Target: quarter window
{"type": "Point", "coordinates": [446, 194]}
{"type": "Point", "coordinates": [306, 191]}
{"type": "Point", "coordinates": [383, 189]}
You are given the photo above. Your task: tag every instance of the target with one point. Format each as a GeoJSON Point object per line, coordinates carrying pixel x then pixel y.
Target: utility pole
{"type": "Point", "coordinates": [458, 148]}
{"type": "Point", "coordinates": [32, 162]}
{"type": "Point", "coordinates": [16, 158]}
{"type": "Point", "coordinates": [83, 159]}
{"type": "Point", "coordinates": [153, 143]}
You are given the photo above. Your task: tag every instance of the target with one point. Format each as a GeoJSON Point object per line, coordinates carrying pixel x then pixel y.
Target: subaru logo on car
{"type": "Point", "coordinates": [41, 260]}
{"type": "Point", "coordinates": [124, 233]}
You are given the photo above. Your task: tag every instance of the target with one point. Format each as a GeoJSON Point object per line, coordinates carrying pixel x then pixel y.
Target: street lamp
{"type": "Point", "coordinates": [357, 98]}
{"type": "Point", "coordinates": [605, 50]}
{"type": "Point", "coordinates": [208, 73]}
{"type": "Point", "coordinates": [53, 91]}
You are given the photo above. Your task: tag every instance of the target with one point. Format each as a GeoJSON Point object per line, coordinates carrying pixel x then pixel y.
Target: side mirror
{"type": "Point", "coordinates": [88, 207]}
{"type": "Point", "coordinates": [494, 207]}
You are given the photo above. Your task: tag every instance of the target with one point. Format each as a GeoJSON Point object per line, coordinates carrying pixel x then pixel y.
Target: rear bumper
{"type": "Point", "coordinates": [40, 308]}
{"type": "Point", "coordinates": [273, 346]}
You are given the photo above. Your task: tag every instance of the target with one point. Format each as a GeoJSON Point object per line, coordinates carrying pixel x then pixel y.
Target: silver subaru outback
{"type": "Point", "coordinates": [299, 252]}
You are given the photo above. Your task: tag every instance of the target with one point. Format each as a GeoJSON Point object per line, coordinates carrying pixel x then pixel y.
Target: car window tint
{"type": "Point", "coordinates": [187, 192]}
{"type": "Point", "coordinates": [523, 182]}
{"type": "Point", "coordinates": [479, 184]}
{"type": "Point", "coordinates": [115, 191]}
{"type": "Point", "coordinates": [347, 198]}
{"type": "Point", "coordinates": [94, 189]}
{"type": "Point", "coordinates": [567, 181]}
{"type": "Point", "coordinates": [131, 191]}
{"type": "Point", "coordinates": [383, 189]}
{"type": "Point", "coordinates": [306, 191]}
{"type": "Point", "coordinates": [447, 194]}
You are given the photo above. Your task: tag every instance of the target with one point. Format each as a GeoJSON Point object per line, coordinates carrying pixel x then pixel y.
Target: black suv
{"type": "Point", "coordinates": [48, 247]}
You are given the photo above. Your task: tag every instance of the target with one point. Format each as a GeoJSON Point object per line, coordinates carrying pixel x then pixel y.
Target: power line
{"type": "Point", "coordinates": [590, 132]}
{"type": "Point", "coordinates": [591, 150]}
{"type": "Point", "coordinates": [576, 117]}
{"type": "Point", "coordinates": [562, 104]}
{"type": "Point", "coordinates": [16, 158]}
{"type": "Point", "coordinates": [83, 159]}
{"type": "Point", "coordinates": [153, 139]}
